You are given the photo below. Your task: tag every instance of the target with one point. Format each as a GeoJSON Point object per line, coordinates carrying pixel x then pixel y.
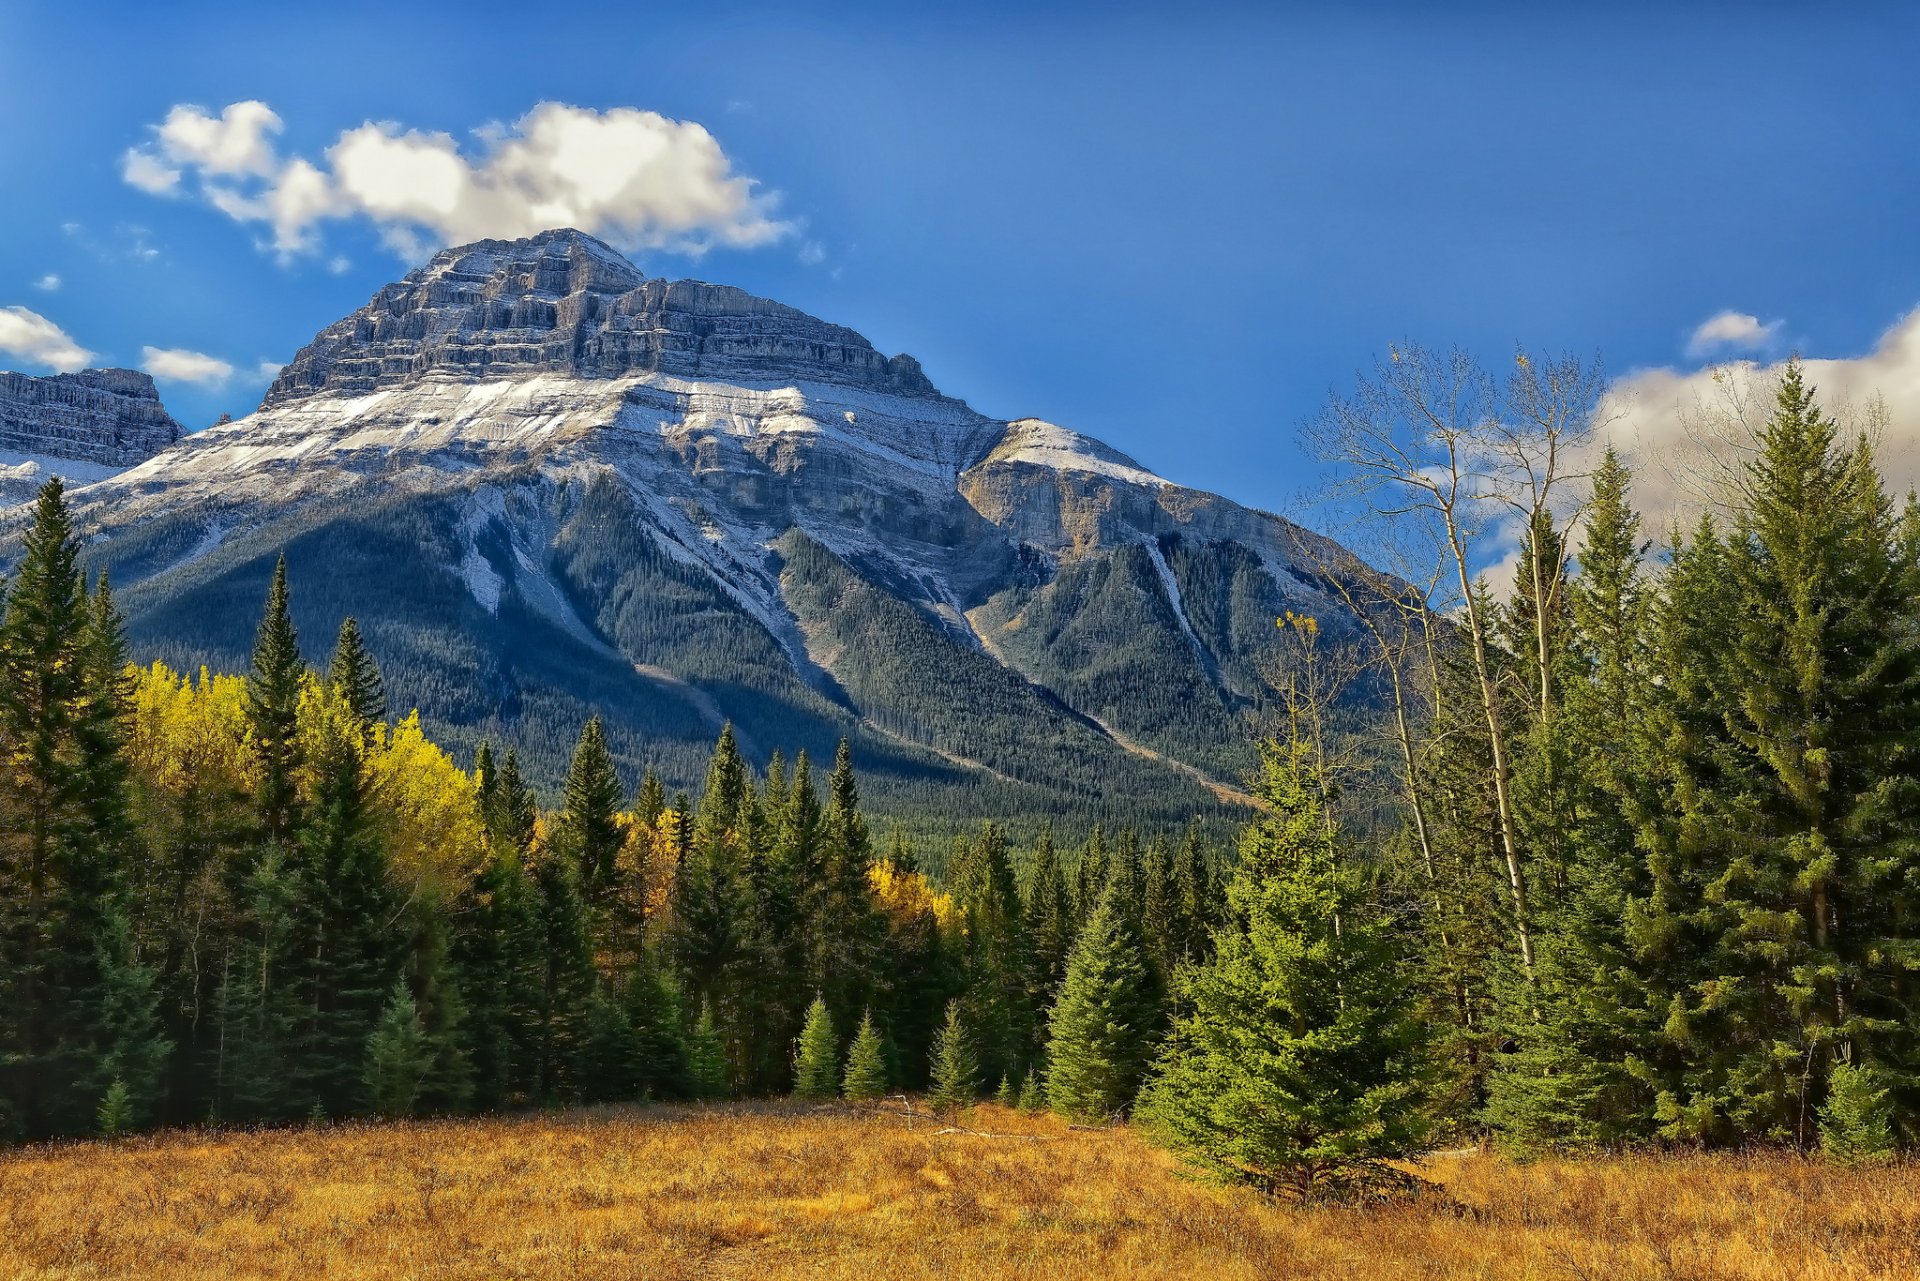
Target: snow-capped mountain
{"type": "Point", "coordinates": [548, 485]}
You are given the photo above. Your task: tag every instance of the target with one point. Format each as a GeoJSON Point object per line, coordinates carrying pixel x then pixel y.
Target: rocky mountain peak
{"type": "Point", "coordinates": [108, 417]}
{"type": "Point", "coordinates": [562, 302]}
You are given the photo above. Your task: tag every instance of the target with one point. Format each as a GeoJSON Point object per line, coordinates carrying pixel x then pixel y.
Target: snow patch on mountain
{"type": "Point", "coordinates": [1045, 444]}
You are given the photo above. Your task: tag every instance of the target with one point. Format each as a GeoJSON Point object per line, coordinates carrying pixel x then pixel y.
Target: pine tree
{"type": "Point", "coordinates": [1299, 1067]}
{"type": "Point", "coordinates": [1050, 922]}
{"type": "Point", "coordinates": [996, 965]}
{"type": "Point", "coordinates": [356, 679]}
{"type": "Point", "coordinates": [1031, 1099]}
{"type": "Point", "coordinates": [273, 709]}
{"type": "Point", "coordinates": [568, 980]}
{"type": "Point", "coordinates": [589, 826]}
{"type": "Point", "coordinates": [75, 1010]}
{"type": "Point", "coordinates": [816, 1060]}
{"type": "Point", "coordinates": [707, 894]}
{"type": "Point", "coordinates": [1567, 1081]}
{"type": "Point", "coordinates": [1102, 1027]}
{"type": "Point", "coordinates": [1090, 874]}
{"type": "Point", "coordinates": [1197, 898]}
{"type": "Point", "coordinates": [866, 1076]}
{"type": "Point", "coordinates": [607, 1064]}
{"type": "Point", "coordinates": [955, 1068]}
{"type": "Point", "coordinates": [346, 952]}
{"type": "Point", "coordinates": [397, 1057]}
{"type": "Point", "coordinates": [846, 929]}
{"type": "Point", "coordinates": [707, 1057]}
{"type": "Point", "coordinates": [498, 949]}
{"type": "Point", "coordinates": [1856, 1122]}
{"type": "Point", "coordinates": [653, 1011]}
{"type": "Point", "coordinates": [1794, 810]}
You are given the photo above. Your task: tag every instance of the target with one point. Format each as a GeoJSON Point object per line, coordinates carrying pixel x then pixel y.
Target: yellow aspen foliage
{"type": "Point", "coordinates": [428, 806]}
{"type": "Point", "coordinates": [190, 733]}
{"type": "Point", "coordinates": [903, 896]}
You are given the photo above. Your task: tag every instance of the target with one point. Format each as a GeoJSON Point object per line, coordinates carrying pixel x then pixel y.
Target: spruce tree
{"type": "Point", "coordinates": [1102, 1026]}
{"type": "Point", "coordinates": [1032, 1098]}
{"type": "Point", "coordinates": [654, 1012]}
{"type": "Point", "coordinates": [567, 981]}
{"type": "Point", "coordinates": [816, 1059]}
{"type": "Point", "coordinates": [607, 1064]}
{"type": "Point", "coordinates": [1197, 897]}
{"type": "Point", "coordinates": [996, 964]}
{"type": "Point", "coordinates": [356, 679]}
{"type": "Point", "coordinates": [397, 1057]}
{"type": "Point", "coordinates": [589, 824]}
{"type": "Point", "coordinates": [76, 1012]}
{"type": "Point", "coordinates": [1299, 1067]}
{"type": "Point", "coordinates": [866, 1076]}
{"type": "Point", "coordinates": [707, 1057]}
{"type": "Point", "coordinates": [346, 950]}
{"type": "Point", "coordinates": [1050, 922]}
{"type": "Point", "coordinates": [273, 709]}
{"type": "Point", "coordinates": [955, 1068]}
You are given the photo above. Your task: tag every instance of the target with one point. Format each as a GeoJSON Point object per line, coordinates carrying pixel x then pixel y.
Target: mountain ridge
{"type": "Point", "coordinates": [549, 485]}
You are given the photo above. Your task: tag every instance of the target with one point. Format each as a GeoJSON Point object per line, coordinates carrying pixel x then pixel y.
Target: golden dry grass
{"type": "Point", "coordinates": [764, 1191]}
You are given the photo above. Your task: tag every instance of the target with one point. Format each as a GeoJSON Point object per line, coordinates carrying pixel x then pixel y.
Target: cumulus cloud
{"type": "Point", "coordinates": [1730, 331]}
{"type": "Point", "coordinates": [47, 283]}
{"type": "Point", "coordinates": [1687, 433]}
{"type": "Point", "coordinates": [636, 178]}
{"type": "Point", "coordinates": [32, 338]}
{"type": "Point", "coordinates": [178, 365]}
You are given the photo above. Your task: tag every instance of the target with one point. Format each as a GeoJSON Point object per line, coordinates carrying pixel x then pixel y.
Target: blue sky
{"type": "Point", "coordinates": [1173, 228]}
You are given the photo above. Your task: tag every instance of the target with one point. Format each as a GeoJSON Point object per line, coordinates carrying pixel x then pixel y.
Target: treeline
{"type": "Point", "coordinates": [1653, 833]}
{"type": "Point", "coordinates": [254, 899]}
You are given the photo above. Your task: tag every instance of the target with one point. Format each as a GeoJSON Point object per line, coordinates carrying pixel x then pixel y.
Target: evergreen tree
{"type": "Point", "coordinates": [1796, 811]}
{"type": "Point", "coordinates": [707, 1057]}
{"type": "Point", "coordinates": [356, 679]}
{"type": "Point", "coordinates": [397, 1057]}
{"type": "Point", "coordinates": [654, 1013]}
{"type": "Point", "coordinates": [1050, 922]}
{"type": "Point", "coordinates": [997, 967]}
{"type": "Point", "coordinates": [589, 826]}
{"type": "Point", "coordinates": [1031, 1099]}
{"type": "Point", "coordinates": [1102, 1027]}
{"type": "Point", "coordinates": [955, 1068]}
{"type": "Point", "coordinates": [568, 982]}
{"type": "Point", "coordinates": [345, 952]}
{"type": "Point", "coordinates": [707, 894]}
{"type": "Point", "coordinates": [1299, 1067]}
{"type": "Point", "coordinates": [816, 1060]}
{"type": "Point", "coordinates": [846, 929]}
{"type": "Point", "coordinates": [866, 1076]}
{"type": "Point", "coordinates": [1090, 874]}
{"type": "Point", "coordinates": [1197, 899]}
{"type": "Point", "coordinates": [607, 1066]}
{"type": "Point", "coordinates": [76, 1013]}
{"type": "Point", "coordinates": [1856, 1122]}
{"type": "Point", "coordinates": [273, 710]}
{"type": "Point", "coordinates": [1567, 1081]}
{"type": "Point", "coordinates": [498, 950]}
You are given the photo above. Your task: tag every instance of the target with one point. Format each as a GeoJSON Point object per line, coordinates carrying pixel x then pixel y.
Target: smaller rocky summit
{"type": "Point", "coordinates": [109, 417]}
{"type": "Point", "coordinates": [564, 303]}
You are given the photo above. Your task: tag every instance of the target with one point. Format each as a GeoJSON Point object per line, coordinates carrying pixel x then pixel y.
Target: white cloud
{"type": "Point", "coordinates": [812, 253]}
{"type": "Point", "coordinates": [1730, 331]}
{"type": "Point", "coordinates": [47, 283]}
{"type": "Point", "coordinates": [38, 341]}
{"type": "Point", "coordinates": [148, 172]}
{"type": "Point", "coordinates": [1685, 433]}
{"type": "Point", "coordinates": [178, 365]}
{"type": "Point", "coordinates": [636, 178]}
{"type": "Point", "coordinates": [267, 370]}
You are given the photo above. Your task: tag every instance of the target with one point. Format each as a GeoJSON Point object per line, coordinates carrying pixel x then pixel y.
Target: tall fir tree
{"type": "Point", "coordinates": [816, 1058]}
{"type": "Point", "coordinates": [355, 677]}
{"type": "Point", "coordinates": [1103, 1024]}
{"type": "Point", "coordinates": [273, 710]}
{"type": "Point", "coordinates": [1299, 1066]}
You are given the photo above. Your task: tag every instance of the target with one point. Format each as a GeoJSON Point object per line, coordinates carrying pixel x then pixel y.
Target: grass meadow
{"type": "Point", "coordinates": [793, 1191]}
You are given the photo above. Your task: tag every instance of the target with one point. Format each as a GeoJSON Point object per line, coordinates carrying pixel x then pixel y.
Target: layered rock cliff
{"type": "Point", "coordinates": [562, 301]}
{"type": "Point", "coordinates": [111, 417]}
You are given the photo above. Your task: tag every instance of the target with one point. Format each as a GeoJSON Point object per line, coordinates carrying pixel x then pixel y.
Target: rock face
{"type": "Point", "coordinates": [111, 417]}
{"type": "Point", "coordinates": [549, 486]}
{"type": "Point", "coordinates": [563, 301]}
